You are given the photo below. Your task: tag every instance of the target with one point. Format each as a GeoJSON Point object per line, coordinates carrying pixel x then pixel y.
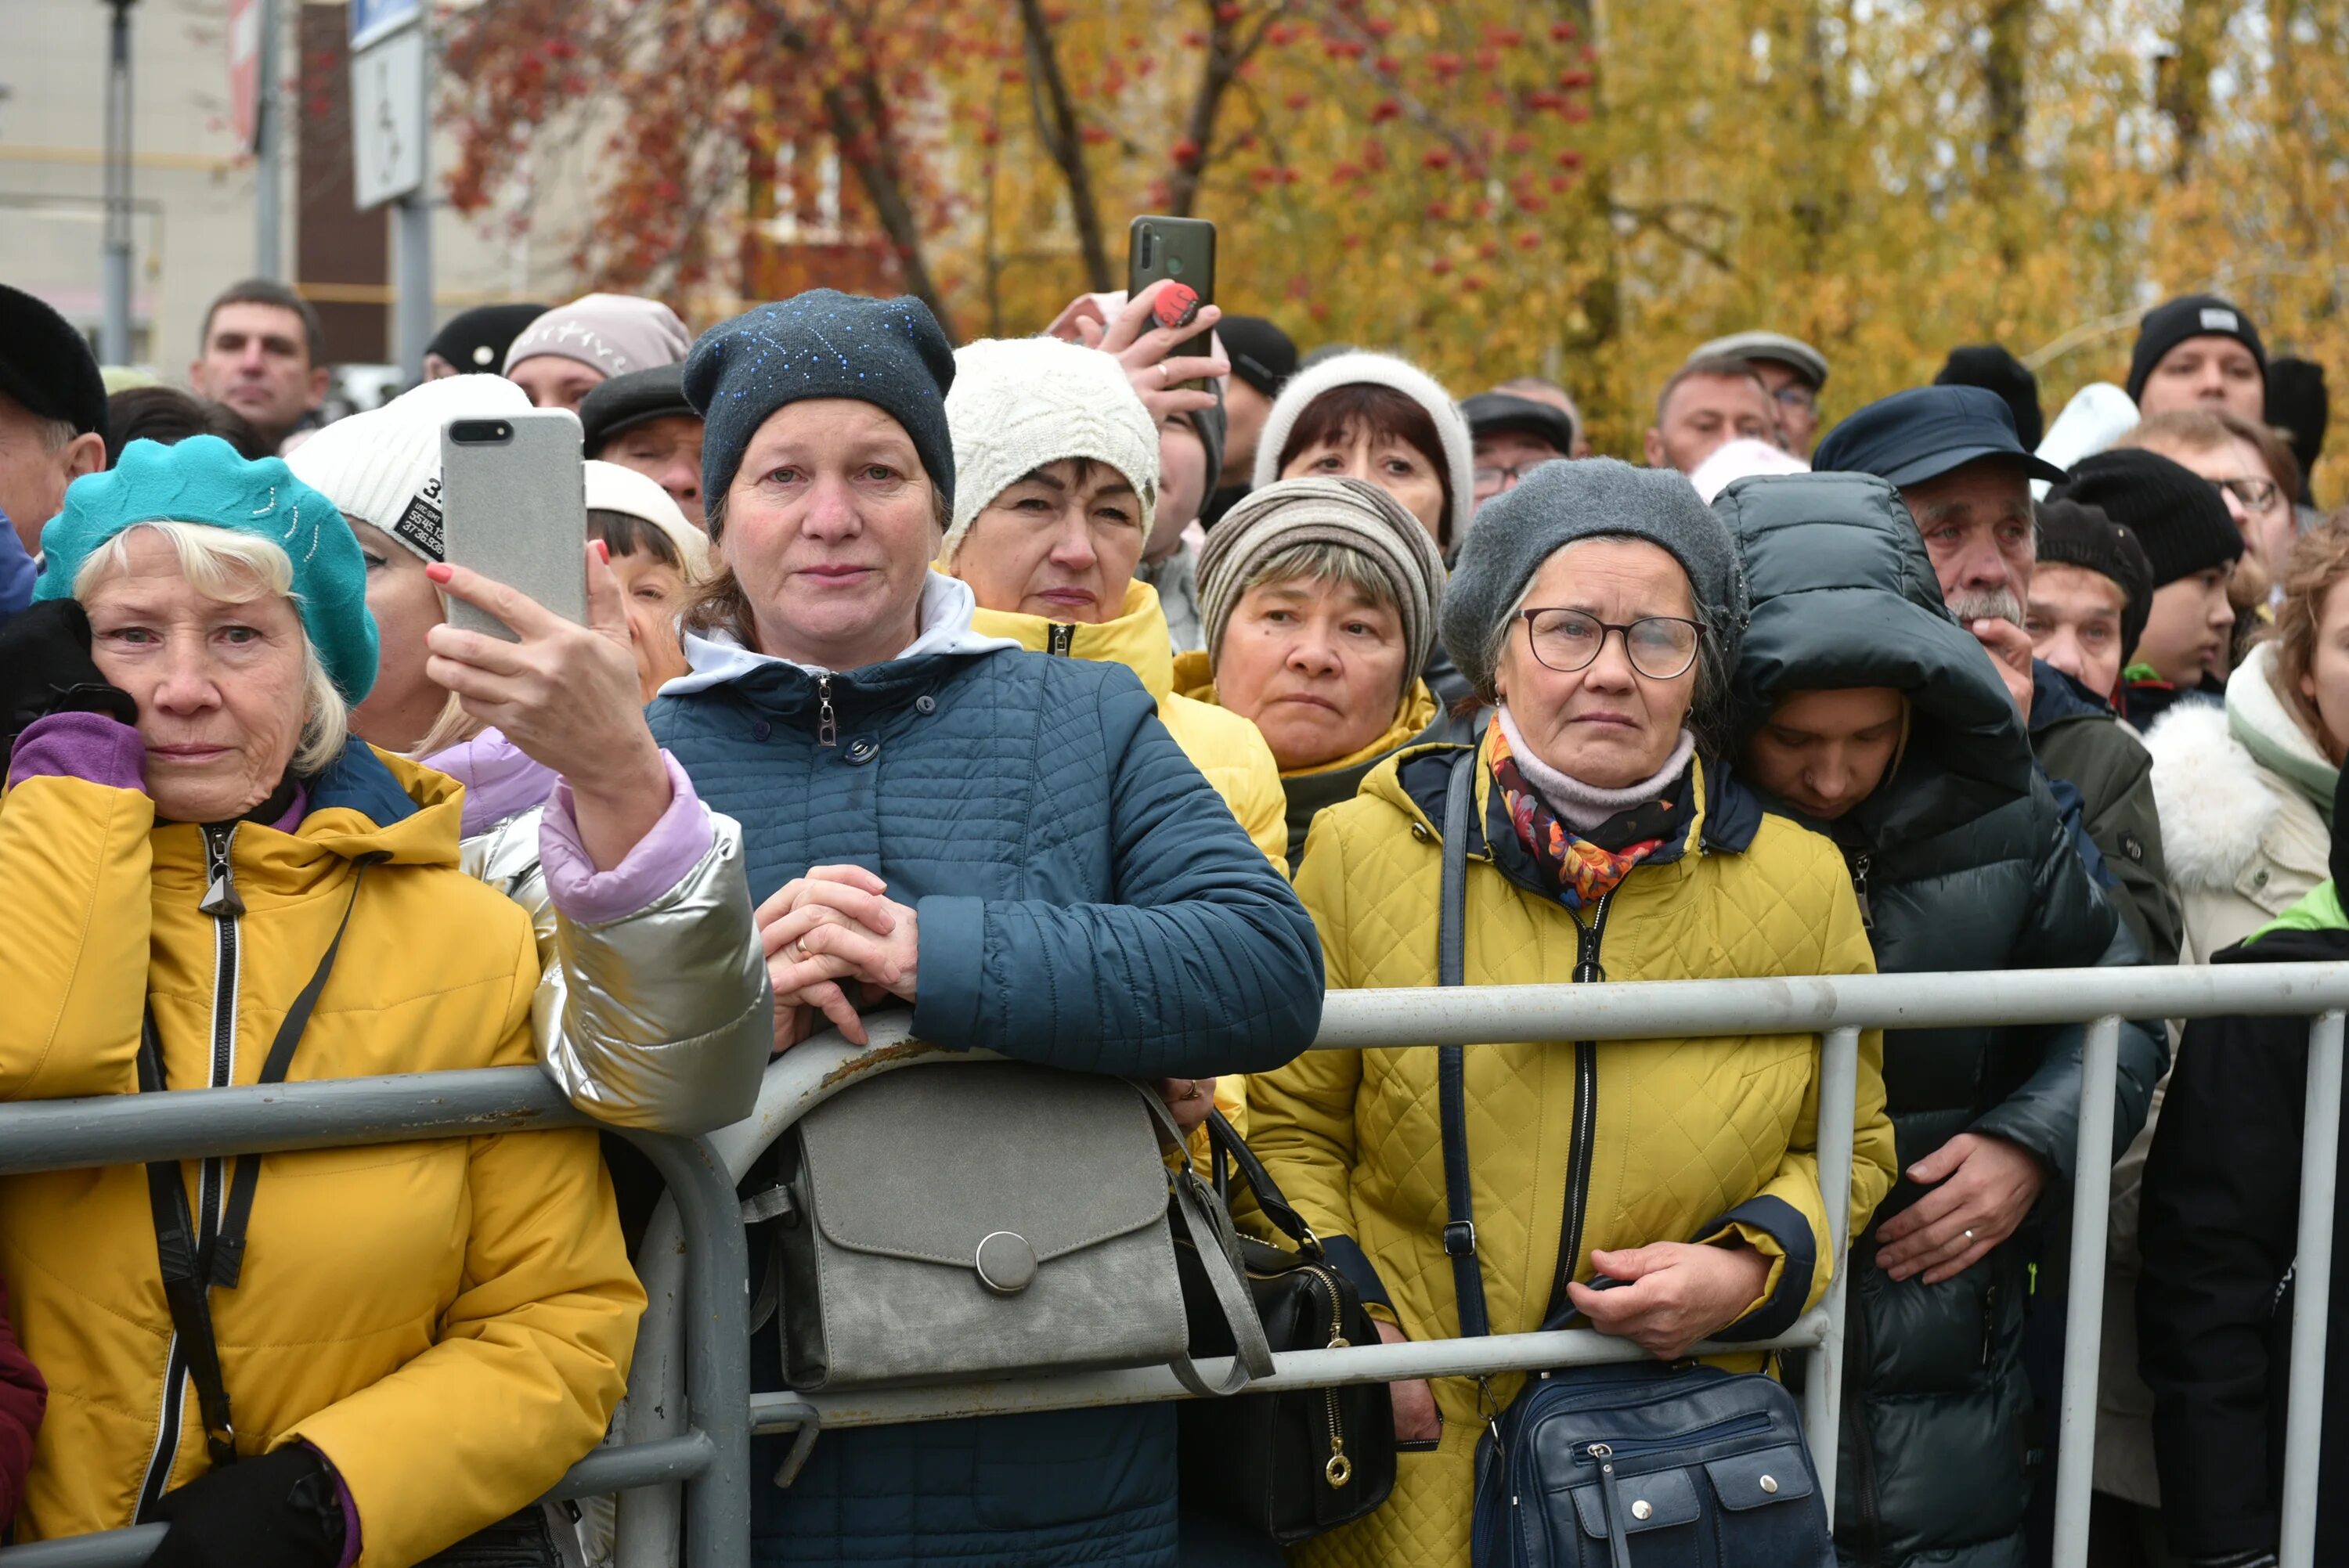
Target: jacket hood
{"type": "Point", "coordinates": [1843, 595]}
{"type": "Point", "coordinates": [371, 802]}
{"type": "Point", "coordinates": [1136, 639]}
{"type": "Point", "coordinates": [2262, 720]}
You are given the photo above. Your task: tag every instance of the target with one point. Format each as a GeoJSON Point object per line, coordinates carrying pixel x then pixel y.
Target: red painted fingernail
{"type": "Point", "coordinates": [440, 571]}
{"type": "Point", "coordinates": [603, 551]}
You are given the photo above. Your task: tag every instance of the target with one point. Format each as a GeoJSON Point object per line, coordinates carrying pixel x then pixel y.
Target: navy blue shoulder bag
{"type": "Point", "coordinates": [1628, 1466]}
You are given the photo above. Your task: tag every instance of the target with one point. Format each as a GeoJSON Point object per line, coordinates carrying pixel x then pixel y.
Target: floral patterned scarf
{"type": "Point", "coordinates": [1585, 868]}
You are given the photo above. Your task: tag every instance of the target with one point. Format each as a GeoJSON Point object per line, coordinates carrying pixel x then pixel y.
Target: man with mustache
{"type": "Point", "coordinates": [1952, 454]}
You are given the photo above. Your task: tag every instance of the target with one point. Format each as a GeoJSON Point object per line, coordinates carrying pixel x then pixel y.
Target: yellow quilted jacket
{"type": "Point", "coordinates": [1221, 745]}
{"type": "Point", "coordinates": [1692, 1139]}
{"type": "Point", "coordinates": [448, 1322]}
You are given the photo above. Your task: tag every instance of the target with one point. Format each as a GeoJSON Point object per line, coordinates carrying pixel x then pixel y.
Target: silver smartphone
{"type": "Point", "coordinates": [513, 496]}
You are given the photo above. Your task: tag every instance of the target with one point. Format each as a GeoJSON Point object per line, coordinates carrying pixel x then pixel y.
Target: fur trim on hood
{"type": "Point", "coordinates": [2215, 802]}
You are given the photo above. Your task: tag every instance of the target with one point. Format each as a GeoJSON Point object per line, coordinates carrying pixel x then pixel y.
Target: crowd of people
{"type": "Point", "coordinates": [1103, 702]}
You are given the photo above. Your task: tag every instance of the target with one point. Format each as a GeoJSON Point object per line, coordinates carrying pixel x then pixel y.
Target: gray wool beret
{"type": "Point", "coordinates": [1555, 505]}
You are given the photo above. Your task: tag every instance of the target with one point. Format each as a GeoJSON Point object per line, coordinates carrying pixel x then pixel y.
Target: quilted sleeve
{"type": "Point", "coordinates": [1786, 1221]}
{"type": "Point", "coordinates": [1200, 962]}
{"type": "Point", "coordinates": [1301, 1118]}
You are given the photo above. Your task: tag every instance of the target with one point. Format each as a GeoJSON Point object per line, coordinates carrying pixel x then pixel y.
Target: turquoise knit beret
{"type": "Point", "coordinates": [202, 480]}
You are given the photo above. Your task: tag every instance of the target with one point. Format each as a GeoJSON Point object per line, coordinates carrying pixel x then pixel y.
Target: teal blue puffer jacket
{"type": "Point", "coordinates": [1085, 899]}
{"type": "Point", "coordinates": [1965, 863]}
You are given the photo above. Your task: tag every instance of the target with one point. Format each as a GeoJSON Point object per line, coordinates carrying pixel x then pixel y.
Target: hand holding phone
{"type": "Point", "coordinates": [1174, 252]}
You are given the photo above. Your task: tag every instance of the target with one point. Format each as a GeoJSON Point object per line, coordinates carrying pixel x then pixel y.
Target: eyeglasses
{"type": "Point", "coordinates": [2259, 495]}
{"type": "Point", "coordinates": [1793, 395]}
{"type": "Point", "coordinates": [1662, 647]}
{"type": "Point", "coordinates": [1496, 479]}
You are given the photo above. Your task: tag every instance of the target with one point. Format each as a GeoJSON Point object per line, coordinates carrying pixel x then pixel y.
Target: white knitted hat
{"type": "Point", "coordinates": [1020, 403]}
{"type": "Point", "coordinates": [1358, 368]}
{"type": "Point", "coordinates": [611, 488]}
{"type": "Point", "coordinates": [383, 467]}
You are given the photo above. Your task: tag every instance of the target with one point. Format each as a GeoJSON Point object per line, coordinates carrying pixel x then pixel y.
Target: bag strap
{"type": "Point", "coordinates": [1219, 1247]}
{"type": "Point", "coordinates": [1451, 969]}
{"type": "Point", "coordinates": [1228, 1145]}
{"type": "Point", "coordinates": [190, 1269]}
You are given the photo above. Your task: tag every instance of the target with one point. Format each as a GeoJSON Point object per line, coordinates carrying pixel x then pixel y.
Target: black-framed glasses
{"type": "Point", "coordinates": [1660, 647]}
{"type": "Point", "coordinates": [1496, 479]}
{"type": "Point", "coordinates": [2259, 495]}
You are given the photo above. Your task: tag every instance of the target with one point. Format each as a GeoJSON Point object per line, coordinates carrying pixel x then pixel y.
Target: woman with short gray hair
{"type": "Point", "coordinates": [1595, 606]}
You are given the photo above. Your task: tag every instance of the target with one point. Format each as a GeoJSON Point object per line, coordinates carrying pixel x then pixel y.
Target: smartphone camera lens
{"type": "Point", "coordinates": [480, 432]}
{"type": "Point", "coordinates": [1173, 266]}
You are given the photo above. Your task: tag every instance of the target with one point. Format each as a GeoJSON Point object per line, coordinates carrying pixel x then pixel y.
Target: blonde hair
{"type": "Point", "coordinates": [235, 569]}
{"type": "Point", "coordinates": [2319, 563]}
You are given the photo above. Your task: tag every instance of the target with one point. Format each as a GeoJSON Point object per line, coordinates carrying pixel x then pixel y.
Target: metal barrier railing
{"type": "Point", "coordinates": [685, 1454]}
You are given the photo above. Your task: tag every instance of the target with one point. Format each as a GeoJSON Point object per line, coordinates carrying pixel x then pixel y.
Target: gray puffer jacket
{"type": "Point", "coordinates": [1962, 862]}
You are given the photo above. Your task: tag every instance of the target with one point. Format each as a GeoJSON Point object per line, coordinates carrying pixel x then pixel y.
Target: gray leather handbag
{"type": "Point", "coordinates": [958, 1221]}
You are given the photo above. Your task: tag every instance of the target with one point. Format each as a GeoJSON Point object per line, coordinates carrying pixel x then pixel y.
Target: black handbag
{"type": "Point", "coordinates": [1291, 1465]}
{"type": "Point", "coordinates": [1623, 1465]}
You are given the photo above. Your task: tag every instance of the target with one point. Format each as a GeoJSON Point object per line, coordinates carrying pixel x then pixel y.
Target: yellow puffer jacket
{"type": "Point", "coordinates": [1692, 1139]}
{"type": "Point", "coordinates": [1222, 746]}
{"type": "Point", "coordinates": [448, 1322]}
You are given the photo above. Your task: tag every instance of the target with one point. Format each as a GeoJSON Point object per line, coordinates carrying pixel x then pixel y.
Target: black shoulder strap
{"type": "Point", "coordinates": [188, 1273]}
{"type": "Point", "coordinates": [1451, 969]}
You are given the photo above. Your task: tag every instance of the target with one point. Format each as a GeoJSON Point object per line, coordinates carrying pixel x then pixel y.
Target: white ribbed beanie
{"type": "Point", "coordinates": [383, 467]}
{"type": "Point", "coordinates": [1020, 403]}
{"type": "Point", "coordinates": [611, 488]}
{"type": "Point", "coordinates": [1358, 368]}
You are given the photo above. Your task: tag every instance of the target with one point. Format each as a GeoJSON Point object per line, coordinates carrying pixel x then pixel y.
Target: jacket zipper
{"type": "Point", "coordinates": [1060, 640]}
{"type": "Point", "coordinates": [1860, 865]}
{"type": "Point", "coordinates": [222, 902]}
{"type": "Point", "coordinates": [1580, 1150]}
{"type": "Point", "coordinates": [1340, 1470]}
{"type": "Point", "coordinates": [827, 724]}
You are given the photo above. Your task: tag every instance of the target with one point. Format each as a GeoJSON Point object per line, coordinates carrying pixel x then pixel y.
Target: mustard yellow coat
{"type": "Point", "coordinates": [1221, 745]}
{"type": "Point", "coordinates": [448, 1322]}
{"type": "Point", "coordinates": [1695, 1140]}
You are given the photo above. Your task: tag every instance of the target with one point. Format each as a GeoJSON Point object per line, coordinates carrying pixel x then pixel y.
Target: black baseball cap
{"type": "Point", "coordinates": [47, 365]}
{"type": "Point", "coordinates": [624, 402]}
{"type": "Point", "coordinates": [1493, 413]}
{"type": "Point", "coordinates": [1261, 353]}
{"type": "Point", "coordinates": [1926, 431]}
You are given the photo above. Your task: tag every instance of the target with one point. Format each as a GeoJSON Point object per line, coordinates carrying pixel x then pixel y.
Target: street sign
{"type": "Point", "coordinates": [372, 19]}
{"type": "Point", "coordinates": [244, 69]}
{"type": "Point", "coordinates": [390, 138]}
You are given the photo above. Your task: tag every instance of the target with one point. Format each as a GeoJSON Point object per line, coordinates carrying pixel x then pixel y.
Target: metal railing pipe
{"type": "Point", "coordinates": [2084, 1322]}
{"type": "Point", "coordinates": [1661, 1009]}
{"type": "Point", "coordinates": [2320, 1149]}
{"type": "Point", "coordinates": [1823, 1368]}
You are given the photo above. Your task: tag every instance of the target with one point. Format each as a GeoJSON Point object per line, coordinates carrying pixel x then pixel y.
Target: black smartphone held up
{"type": "Point", "coordinates": [1183, 248]}
{"type": "Point", "coordinates": [514, 503]}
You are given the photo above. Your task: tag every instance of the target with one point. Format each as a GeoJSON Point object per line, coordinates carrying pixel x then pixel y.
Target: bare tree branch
{"type": "Point", "coordinates": [1063, 141]}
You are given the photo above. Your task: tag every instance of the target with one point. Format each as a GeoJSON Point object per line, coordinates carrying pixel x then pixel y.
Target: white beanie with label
{"type": "Point", "coordinates": [1020, 404]}
{"type": "Point", "coordinates": [1360, 368]}
{"type": "Point", "coordinates": [383, 467]}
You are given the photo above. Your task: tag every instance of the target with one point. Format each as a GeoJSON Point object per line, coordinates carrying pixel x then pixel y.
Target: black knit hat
{"type": "Point", "coordinates": [1993, 368]}
{"type": "Point", "coordinates": [475, 341]}
{"type": "Point", "coordinates": [624, 402]}
{"type": "Point", "coordinates": [2177, 515]}
{"type": "Point", "coordinates": [2074, 534]}
{"type": "Point", "coordinates": [889, 352]}
{"type": "Point", "coordinates": [2167, 326]}
{"type": "Point", "coordinates": [46, 366]}
{"type": "Point", "coordinates": [1261, 353]}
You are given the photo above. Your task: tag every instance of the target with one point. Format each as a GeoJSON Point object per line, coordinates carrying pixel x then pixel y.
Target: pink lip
{"type": "Point", "coordinates": [189, 754]}
{"type": "Point", "coordinates": [1618, 720]}
{"type": "Point", "coordinates": [835, 573]}
{"type": "Point", "coordinates": [1074, 598]}
{"type": "Point", "coordinates": [1307, 699]}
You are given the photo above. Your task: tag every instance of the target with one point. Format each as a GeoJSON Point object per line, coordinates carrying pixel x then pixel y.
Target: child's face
{"type": "Point", "coordinates": [655, 595]}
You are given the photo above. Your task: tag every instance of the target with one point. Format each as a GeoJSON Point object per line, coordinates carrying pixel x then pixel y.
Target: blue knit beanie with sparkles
{"type": "Point", "coordinates": [202, 480]}
{"type": "Point", "coordinates": [889, 352]}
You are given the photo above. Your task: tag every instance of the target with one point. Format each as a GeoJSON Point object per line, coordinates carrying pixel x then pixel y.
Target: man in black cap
{"type": "Point", "coordinates": [474, 341]}
{"type": "Point", "coordinates": [2090, 592]}
{"type": "Point", "coordinates": [1993, 367]}
{"type": "Point", "coordinates": [642, 421]}
{"type": "Point", "coordinates": [52, 417]}
{"type": "Point", "coordinates": [1511, 435]}
{"type": "Point", "coordinates": [1952, 454]}
{"type": "Point", "coordinates": [1263, 359]}
{"type": "Point", "coordinates": [2192, 544]}
{"type": "Point", "coordinates": [2199, 349]}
